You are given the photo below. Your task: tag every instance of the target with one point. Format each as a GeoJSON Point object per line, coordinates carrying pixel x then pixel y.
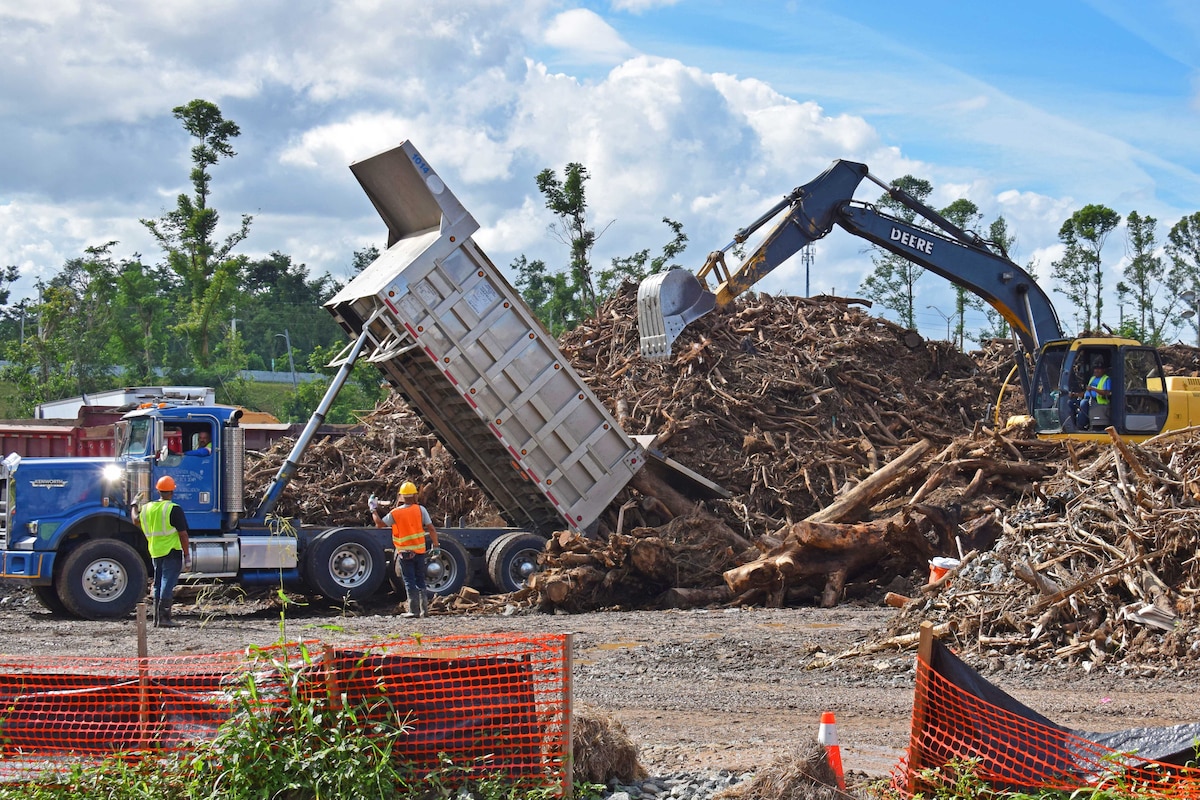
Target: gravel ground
{"type": "Point", "coordinates": [698, 691]}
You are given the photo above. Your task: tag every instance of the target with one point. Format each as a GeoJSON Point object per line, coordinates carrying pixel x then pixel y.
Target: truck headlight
{"type": "Point", "coordinates": [112, 473]}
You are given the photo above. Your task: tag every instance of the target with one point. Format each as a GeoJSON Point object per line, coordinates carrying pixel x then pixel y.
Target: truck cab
{"type": "Point", "coordinates": [65, 525]}
{"type": "Point", "coordinates": [160, 440]}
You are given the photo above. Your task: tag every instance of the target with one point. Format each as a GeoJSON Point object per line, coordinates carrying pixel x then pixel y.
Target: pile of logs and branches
{"type": "Point", "coordinates": [854, 451]}
{"type": "Point", "coordinates": [337, 475]}
{"type": "Point", "coordinates": [1098, 564]}
{"type": "Point", "coordinates": [840, 435]}
{"type": "Point", "coordinates": [784, 401]}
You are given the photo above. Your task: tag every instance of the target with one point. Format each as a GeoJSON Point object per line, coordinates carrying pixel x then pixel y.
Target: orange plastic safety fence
{"type": "Point", "coordinates": [494, 704]}
{"type": "Point", "coordinates": [954, 731]}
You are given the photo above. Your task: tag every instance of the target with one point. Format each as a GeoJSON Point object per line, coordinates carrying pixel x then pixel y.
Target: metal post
{"type": "Point", "coordinates": [287, 338]}
{"type": "Point", "coordinates": [1191, 298]}
{"type": "Point", "coordinates": [945, 317]}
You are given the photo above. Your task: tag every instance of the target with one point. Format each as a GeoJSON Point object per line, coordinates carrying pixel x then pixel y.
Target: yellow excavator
{"type": "Point", "coordinates": [1054, 370]}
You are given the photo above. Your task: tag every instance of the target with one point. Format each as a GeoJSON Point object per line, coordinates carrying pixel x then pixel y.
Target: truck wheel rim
{"type": "Point", "coordinates": [104, 580]}
{"type": "Point", "coordinates": [522, 565]}
{"type": "Point", "coordinates": [439, 572]}
{"type": "Point", "coordinates": [350, 565]}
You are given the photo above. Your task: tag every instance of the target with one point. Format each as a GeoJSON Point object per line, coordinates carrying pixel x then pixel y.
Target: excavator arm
{"type": "Point", "coordinates": [668, 301]}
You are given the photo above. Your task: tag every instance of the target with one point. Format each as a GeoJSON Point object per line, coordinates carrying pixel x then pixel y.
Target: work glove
{"type": "Point", "coordinates": [432, 553]}
{"type": "Point", "coordinates": [372, 503]}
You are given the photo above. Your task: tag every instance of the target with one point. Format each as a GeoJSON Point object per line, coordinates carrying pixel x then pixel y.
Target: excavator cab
{"type": "Point", "coordinates": [1137, 406]}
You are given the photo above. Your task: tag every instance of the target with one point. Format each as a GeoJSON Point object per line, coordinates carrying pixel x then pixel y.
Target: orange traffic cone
{"type": "Point", "coordinates": [827, 735]}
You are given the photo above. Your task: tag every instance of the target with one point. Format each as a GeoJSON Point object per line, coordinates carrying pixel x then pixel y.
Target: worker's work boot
{"type": "Point", "coordinates": [413, 606]}
{"type": "Point", "coordinates": [424, 605]}
{"type": "Point", "coordinates": [164, 617]}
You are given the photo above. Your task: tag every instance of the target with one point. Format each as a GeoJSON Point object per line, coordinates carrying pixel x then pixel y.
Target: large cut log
{"type": "Point", "coordinates": [694, 598]}
{"type": "Point", "coordinates": [836, 551]}
{"type": "Point", "coordinates": [861, 497]}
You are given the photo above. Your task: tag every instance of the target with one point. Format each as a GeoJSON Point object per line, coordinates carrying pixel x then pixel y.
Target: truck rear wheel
{"type": "Point", "coordinates": [346, 564]}
{"type": "Point", "coordinates": [447, 571]}
{"type": "Point", "coordinates": [102, 579]}
{"type": "Point", "coordinates": [512, 558]}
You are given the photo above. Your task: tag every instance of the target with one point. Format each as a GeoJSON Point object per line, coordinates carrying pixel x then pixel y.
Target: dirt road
{"type": "Point", "coordinates": [695, 689]}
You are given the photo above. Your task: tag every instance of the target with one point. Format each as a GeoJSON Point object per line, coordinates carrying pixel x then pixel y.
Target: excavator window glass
{"type": "Point", "coordinates": [1145, 397]}
{"type": "Point", "coordinates": [1047, 394]}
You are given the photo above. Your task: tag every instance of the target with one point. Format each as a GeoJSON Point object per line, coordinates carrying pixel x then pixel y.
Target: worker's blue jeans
{"type": "Point", "coordinates": [411, 567]}
{"type": "Point", "coordinates": [166, 574]}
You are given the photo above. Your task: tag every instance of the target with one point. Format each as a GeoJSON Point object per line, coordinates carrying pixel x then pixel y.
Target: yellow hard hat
{"type": "Point", "coordinates": [408, 487]}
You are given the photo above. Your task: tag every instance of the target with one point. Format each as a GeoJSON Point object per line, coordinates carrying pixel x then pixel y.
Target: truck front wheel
{"type": "Point", "coordinates": [48, 597]}
{"type": "Point", "coordinates": [102, 579]}
{"type": "Point", "coordinates": [512, 558]}
{"type": "Point", "coordinates": [346, 565]}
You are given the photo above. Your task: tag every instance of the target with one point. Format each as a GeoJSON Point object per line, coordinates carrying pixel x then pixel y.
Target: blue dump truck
{"type": "Point", "coordinates": [444, 328]}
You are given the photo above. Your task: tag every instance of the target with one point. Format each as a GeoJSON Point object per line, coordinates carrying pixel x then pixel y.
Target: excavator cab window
{"type": "Point", "coordinates": [1050, 405]}
{"type": "Point", "coordinates": [1143, 402]}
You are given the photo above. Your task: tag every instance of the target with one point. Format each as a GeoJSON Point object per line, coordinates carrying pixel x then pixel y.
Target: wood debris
{"type": "Point", "coordinates": [854, 451]}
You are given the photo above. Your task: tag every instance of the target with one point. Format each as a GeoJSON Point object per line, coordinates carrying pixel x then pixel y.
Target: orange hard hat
{"type": "Point", "coordinates": [165, 484]}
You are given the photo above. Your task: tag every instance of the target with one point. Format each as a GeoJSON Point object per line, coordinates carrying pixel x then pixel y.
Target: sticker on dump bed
{"type": "Point", "coordinates": [482, 298]}
{"type": "Point", "coordinates": [410, 309]}
{"type": "Point", "coordinates": [428, 294]}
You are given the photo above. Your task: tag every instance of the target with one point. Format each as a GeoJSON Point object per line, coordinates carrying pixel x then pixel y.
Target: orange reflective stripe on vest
{"type": "Point", "coordinates": [408, 529]}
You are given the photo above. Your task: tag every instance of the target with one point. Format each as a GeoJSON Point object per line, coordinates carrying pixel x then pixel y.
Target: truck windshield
{"type": "Point", "coordinates": [133, 437]}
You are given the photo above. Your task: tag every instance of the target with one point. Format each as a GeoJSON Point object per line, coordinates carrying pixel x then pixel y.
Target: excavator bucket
{"type": "Point", "coordinates": [667, 302]}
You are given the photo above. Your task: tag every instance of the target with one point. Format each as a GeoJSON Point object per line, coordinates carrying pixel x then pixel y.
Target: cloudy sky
{"type": "Point", "coordinates": [702, 111]}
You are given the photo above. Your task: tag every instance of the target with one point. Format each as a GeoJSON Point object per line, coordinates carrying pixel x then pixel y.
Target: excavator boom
{"type": "Point", "coordinates": [668, 302]}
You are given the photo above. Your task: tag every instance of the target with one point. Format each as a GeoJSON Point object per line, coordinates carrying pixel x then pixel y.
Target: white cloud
{"type": "Point", "coordinates": [493, 91]}
{"type": "Point", "coordinates": [587, 37]}
{"type": "Point", "coordinates": [640, 6]}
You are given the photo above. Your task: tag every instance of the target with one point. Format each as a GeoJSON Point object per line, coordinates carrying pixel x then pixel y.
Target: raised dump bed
{"type": "Point", "coordinates": [447, 330]}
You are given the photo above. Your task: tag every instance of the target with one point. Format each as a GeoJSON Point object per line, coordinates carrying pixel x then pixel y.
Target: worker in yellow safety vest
{"type": "Point", "coordinates": [165, 526]}
{"type": "Point", "coordinates": [410, 522]}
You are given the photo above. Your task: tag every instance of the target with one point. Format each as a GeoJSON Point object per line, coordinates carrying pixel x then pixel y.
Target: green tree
{"type": "Point", "coordinates": [142, 301]}
{"type": "Point", "coordinates": [638, 266]}
{"type": "Point", "coordinates": [550, 295]}
{"type": "Point", "coordinates": [278, 295]}
{"type": "Point", "coordinates": [1143, 279]}
{"type": "Point", "coordinates": [71, 350]}
{"type": "Point", "coordinates": [1183, 250]}
{"type": "Point", "coordinates": [561, 300]}
{"type": "Point", "coordinates": [1002, 242]}
{"type": "Point", "coordinates": [361, 392]}
{"type": "Point", "coordinates": [187, 234]}
{"type": "Point", "coordinates": [567, 198]}
{"type": "Point", "coordinates": [10, 315]}
{"type": "Point", "coordinates": [892, 283]}
{"type": "Point", "coordinates": [966, 215]}
{"type": "Point", "coordinates": [1081, 270]}
{"type": "Point", "coordinates": [363, 259]}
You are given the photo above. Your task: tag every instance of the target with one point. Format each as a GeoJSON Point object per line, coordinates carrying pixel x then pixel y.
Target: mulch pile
{"type": "Point", "coordinates": [791, 402]}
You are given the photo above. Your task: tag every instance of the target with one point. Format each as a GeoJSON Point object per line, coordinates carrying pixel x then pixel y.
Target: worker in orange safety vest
{"type": "Point", "coordinates": [410, 522]}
